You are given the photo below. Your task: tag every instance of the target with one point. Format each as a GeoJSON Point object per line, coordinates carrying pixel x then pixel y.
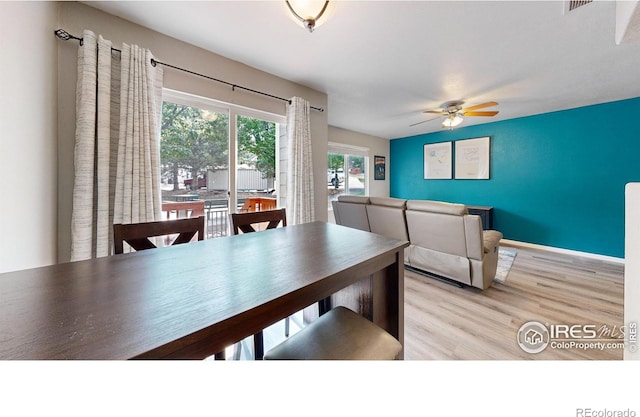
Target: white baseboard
{"type": "Point", "coordinates": [515, 243]}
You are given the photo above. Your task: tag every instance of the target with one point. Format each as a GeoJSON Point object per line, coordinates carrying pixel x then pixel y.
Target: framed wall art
{"type": "Point", "coordinates": [378, 167]}
{"type": "Point", "coordinates": [437, 161]}
{"type": "Point", "coordinates": [472, 158]}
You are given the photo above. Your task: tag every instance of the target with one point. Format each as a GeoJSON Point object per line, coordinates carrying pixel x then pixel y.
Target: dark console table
{"type": "Point", "coordinates": [485, 213]}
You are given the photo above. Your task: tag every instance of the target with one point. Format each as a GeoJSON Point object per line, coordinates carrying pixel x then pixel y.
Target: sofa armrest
{"type": "Point", "coordinates": [491, 240]}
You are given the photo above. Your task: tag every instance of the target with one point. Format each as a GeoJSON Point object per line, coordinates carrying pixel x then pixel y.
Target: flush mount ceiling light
{"type": "Point", "coordinates": [308, 12]}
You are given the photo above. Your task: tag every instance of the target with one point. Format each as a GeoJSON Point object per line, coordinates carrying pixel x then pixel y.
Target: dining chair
{"type": "Point", "coordinates": [340, 334]}
{"type": "Point", "coordinates": [137, 234]}
{"type": "Point", "coordinates": [250, 222]}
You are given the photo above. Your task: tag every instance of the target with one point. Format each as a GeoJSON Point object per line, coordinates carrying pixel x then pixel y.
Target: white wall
{"type": "Point", "coordinates": [376, 145]}
{"type": "Point", "coordinates": [28, 124]}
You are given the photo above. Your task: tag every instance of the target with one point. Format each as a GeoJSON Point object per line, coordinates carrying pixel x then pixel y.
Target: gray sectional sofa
{"type": "Point", "coordinates": [445, 239]}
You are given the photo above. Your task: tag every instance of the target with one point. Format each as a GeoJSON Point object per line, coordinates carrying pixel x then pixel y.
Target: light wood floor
{"type": "Point", "coordinates": [446, 322]}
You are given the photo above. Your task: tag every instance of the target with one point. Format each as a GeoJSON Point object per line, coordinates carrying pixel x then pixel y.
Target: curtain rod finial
{"type": "Point", "coordinates": [62, 34]}
{"type": "Point", "coordinates": [65, 36]}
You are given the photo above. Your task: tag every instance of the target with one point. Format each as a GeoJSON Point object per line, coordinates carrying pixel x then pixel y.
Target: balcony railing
{"type": "Point", "coordinates": [217, 219]}
{"type": "Point", "coordinates": [216, 212]}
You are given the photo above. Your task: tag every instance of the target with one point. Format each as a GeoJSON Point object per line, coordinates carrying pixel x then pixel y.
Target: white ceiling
{"type": "Point", "coordinates": [382, 63]}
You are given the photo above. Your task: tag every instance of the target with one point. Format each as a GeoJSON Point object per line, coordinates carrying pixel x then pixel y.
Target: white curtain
{"type": "Point", "coordinates": [117, 143]}
{"type": "Point", "coordinates": [300, 202]}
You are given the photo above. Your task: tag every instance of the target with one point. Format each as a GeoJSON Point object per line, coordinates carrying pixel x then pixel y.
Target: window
{"type": "Point", "coordinates": [346, 172]}
{"type": "Point", "coordinates": [201, 162]}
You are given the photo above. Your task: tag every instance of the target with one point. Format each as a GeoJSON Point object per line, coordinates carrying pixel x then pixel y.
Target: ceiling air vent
{"type": "Point", "coordinates": [574, 4]}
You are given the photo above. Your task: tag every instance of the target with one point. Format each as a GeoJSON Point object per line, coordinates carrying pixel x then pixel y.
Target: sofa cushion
{"type": "Point", "coordinates": [351, 215]}
{"type": "Point", "coordinates": [355, 199]}
{"type": "Point", "coordinates": [388, 202]}
{"type": "Point", "coordinates": [437, 207]}
{"type": "Point", "coordinates": [438, 232]}
{"type": "Point", "coordinates": [387, 221]}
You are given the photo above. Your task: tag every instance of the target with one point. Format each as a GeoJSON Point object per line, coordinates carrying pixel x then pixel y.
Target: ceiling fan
{"type": "Point", "coordinates": [455, 113]}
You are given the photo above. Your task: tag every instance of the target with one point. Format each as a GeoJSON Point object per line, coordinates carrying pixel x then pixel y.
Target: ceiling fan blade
{"type": "Point", "coordinates": [480, 113]}
{"type": "Point", "coordinates": [436, 112]}
{"type": "Point", "coordinates": [481, 106]}
{"type": "Point", "coordinates": [424, 121]}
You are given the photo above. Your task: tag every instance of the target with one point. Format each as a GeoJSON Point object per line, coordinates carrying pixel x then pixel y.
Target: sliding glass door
{"type": "Point", "coordinates": [217, 154]}
{"type": "Point", "coordinates": [346, 172]}
{"type": "Point", "coordinates": [256, 167]}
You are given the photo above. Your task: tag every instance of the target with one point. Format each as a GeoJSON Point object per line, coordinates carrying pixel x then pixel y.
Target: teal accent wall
{"type": "Point", "coordinates": [557, 179]}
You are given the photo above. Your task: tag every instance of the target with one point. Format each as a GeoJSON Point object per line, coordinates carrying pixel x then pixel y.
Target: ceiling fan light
{"type": "Point", "coordinates": [452, 120]}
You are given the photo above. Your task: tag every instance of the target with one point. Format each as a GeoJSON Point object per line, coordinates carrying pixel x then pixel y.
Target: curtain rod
{"type": "Point", "coordinates": [65, 36]}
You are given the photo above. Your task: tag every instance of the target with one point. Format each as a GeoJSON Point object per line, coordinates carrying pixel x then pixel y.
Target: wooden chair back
{"type": "Point", "coordinates": [247, 221]}
{"type": "Point", "coordinates": [137, 234]}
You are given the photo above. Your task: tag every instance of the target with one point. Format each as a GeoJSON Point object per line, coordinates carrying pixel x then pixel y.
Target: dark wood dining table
{"type": "Point", "coordinates": [191, 301]}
